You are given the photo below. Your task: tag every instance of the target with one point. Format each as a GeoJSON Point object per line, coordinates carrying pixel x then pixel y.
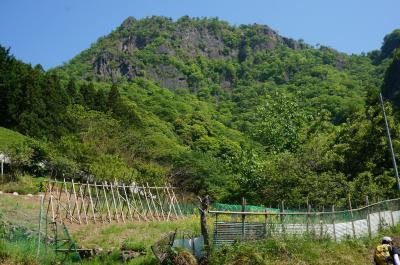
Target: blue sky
{"type": "Point", "coordinates": [51, 32]}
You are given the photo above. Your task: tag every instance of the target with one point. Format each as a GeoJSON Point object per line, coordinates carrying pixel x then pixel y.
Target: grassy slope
{"type": "Point", "coordinates": [9, 137]}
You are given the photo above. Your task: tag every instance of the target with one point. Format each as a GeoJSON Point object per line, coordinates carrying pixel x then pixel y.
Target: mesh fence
{"type": "Point", "coordinates": [232, 226]}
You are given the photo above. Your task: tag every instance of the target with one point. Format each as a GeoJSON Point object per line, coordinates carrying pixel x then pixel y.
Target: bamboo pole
{"type": "Point", "coordinates": [136, 206]}
{"type": "Point", "coordinates": [148, 204]}
{"type": "Point", "coordinates": [127, 202]}
{"type": "Point", "coordinates": [83, 202]}
{"type": "Point", "coordinates": [76, 202]}
{"type": "Point", "coordinates": [115, 204]}
{"type": "Point", "coordinates": [91, 202]}
{"type": "Point", "coordinates": [152, 200]}
{"type": "Point", "coordinates": [58, 211]}
{"type": "Point", "coordinates": [119, 202]}
{"type": "Point", "coordinates": [352, 218]}
{"type": "Point", "coordinates": [40, 223]}
{"type": "Point", "coordinates": [176, 200]}
{"type": "Point", "coordinates": [144, 212]}
{"type": "Point", "coordinates": [161, 206]}
{"type": "Point", "coordinates": [108, 207]}
{"type": "Point", "coordinates": [97, 201]}
{"type": "Point", "coordinates": [68, 195]}
{"type": "Point", "coordinates": [368, 216]}
{"type": "Point", "coordinates": [171, 201]}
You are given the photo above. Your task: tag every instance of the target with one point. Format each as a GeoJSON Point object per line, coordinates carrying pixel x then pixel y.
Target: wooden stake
{"type": "Point", "coordinates": [161, 206]}
{"type": "Point", "coordinates": [148, 204]}
{"type": "Point", "coordinates": [76, 202]}
{"type": "Point", "coordinates": [58, 211]}
{"type": "Point", "coordinates": [97, 201]}
{"type": "Point", "coordinates": [68, 195]}
{"type": "Point", "coordinates": [119, 201]}
{"type": "Point", "coordinates": [368, 217]}
{"type": "Point", "coordinates": [91, 202]}
{"type": "Point", "coordinates": [333, 223]}
{"type": "Point", "coordinates": [108, 207]}
{"type": "Point", "coordinates": [171, 201]}
{"type": "Point", "coordinates": [144, 212]}
{"type": "Point", "coordinates": [127, 202]}
{"type": "Point", "coordinates": [152, 200]}
{"type": "Point", "coordinates": [115, 204]}
{"type": "Point", "coordinates": [352, 219]}
{"type": "Point", "coordinates": [176, 201]}
{"type": "Point", "coordinates": [83, 202]}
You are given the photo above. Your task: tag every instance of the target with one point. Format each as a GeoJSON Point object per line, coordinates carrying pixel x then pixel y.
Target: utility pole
{"type": "Point", "coordinates": [396, 173]}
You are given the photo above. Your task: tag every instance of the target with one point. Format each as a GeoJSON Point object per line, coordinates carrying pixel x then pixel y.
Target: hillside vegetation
{"type": "Point", "coordinates": [212, 108]}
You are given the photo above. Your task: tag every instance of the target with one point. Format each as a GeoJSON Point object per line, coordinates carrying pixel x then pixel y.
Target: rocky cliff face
{"type": "Point", "coordinates": [162, 50]}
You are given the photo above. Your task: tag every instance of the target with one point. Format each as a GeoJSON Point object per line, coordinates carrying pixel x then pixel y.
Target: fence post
{"type": "Point", "coordinates": [243, 217]}
{"type": "Point", "coordinates": [333, 222]}
{"type": "Point", "coordinates": [321, 225]}
{"type": "Point", "coordinates": [308, 217]}
{"type": "Point", "coordinates": [352, 218]}
{"type": "Point", "coordinates": [368, 217]}
{"type": "Point", "coordinates": [265, 225]}
{"type": "Point", "coordinates": [204, 204]}
{"type": "Point", "coordinates": [40, 223]}
{"type": "Point", "coordinates": [391, 212]}
{"type": "Point", "coordinates": [283, 217]}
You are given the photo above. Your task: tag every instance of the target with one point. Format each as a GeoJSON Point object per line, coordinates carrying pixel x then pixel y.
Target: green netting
{"type": "Point", "coordinates": [248, 208]}
{"type": "Point", "coordinates": [238, 208]}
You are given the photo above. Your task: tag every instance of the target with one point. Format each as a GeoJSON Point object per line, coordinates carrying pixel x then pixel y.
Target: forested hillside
{"type": "Point", "coordinates": [212, 108]}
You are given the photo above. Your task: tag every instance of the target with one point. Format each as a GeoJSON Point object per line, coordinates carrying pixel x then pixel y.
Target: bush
{"type": "Point", "coordinates": [184, 257]}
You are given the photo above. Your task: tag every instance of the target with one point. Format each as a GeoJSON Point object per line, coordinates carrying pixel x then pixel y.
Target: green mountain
{"type": "Point", "coordinates": [230, 111]}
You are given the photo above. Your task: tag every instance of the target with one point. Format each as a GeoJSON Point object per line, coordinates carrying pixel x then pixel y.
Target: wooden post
{"type": "Point", "coordinates": [97, 201]}
{"type": "Point", "coordinates": [148, 204]}
{"type": "Point", "coordinates": [40, 223]}
{"type": "Point", "coordinates": [83, 202]}
{"type": "Point", "coordinates": [108, 207]}
{"type": "Point", "coordinates": [308, 217]}
{"type": "Point", "coordinates": [119, 201]}
{"type": "Point", "coordinates": [140, 214]}
{"type": "Point", "coordinates": [391, 212]}
{"type": "Point", "coordinates": [152, 201]}
{"type": "Point", "coordinates": [333, 222]}
{"type": "Point", "coordinates": [58, 211]}
{"type": "Point", "coordinates": [352, 218]}
{"type": "Point", "coordinates": [114, 203]}
{"type": "Point", "coordinates": [2, 169]}
{"type": "Point", "coordinates": [161, 205]}
{"type": "Point", "coordinates": [76, 202]}
{"type": "Point", "coordinates": [91, 202]}
{"type": "Point", "coordinates": [51, 204]}
{"type": "Point", "coordinates": [127, 201]}
{"type": "Point", "coordinates": [243, 218]}
{"type": "Point", "coordinates": [68, 195]}
{"type": "Point", "coordinates": [171, 201]}
{"type": "Point", "coordinates": [176, 201]}
{"type": "Point", "coordinates": [283, 217]}
{"type": "Point", "coordinates": [368, 217]}
{"type": "Point", "coordinates": [144, 211]}
{"type": "Point", "coordinates": [204, 204]}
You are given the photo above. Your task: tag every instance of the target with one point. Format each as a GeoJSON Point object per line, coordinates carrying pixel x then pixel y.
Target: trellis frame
{"type": "Point", "coordinates": [108, 202]}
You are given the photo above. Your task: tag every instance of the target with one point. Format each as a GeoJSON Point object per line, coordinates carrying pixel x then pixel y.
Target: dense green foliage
{"type": "Point", "coordinates": [227, 111]}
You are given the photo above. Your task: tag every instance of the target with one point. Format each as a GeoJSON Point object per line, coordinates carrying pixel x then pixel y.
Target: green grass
{"type": "Point", "coordinates": [24, 184]}
{"type": "Point", "coordinates": [9, 137]}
